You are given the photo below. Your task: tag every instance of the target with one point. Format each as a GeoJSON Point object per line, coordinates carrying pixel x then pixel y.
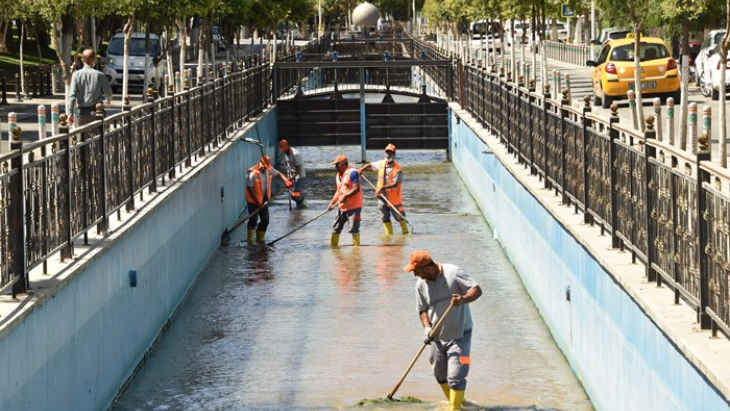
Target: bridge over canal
{"type": "Point", "coordinates": [602, 251]}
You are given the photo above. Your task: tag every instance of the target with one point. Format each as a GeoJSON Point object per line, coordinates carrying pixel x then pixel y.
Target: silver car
{"type": "Point", "coordinates": [708, 65]}
{"type": "Point", "coordinates": [114, 63]}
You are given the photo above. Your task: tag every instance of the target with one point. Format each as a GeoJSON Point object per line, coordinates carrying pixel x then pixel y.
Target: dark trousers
{"type": "Point", "coordinates": [262, 215]}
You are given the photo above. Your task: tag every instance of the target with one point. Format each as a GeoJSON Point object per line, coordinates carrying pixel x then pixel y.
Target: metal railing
{"type": "Point", "coordinates": [576, 54]}
{"type": "Point", "coordinates": [58, 189]}
{"type": "Point", "coordinates": [668, 207]}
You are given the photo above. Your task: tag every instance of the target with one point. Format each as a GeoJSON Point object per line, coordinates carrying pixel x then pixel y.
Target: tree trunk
{"type": "Point", "coordinates": [723, 98]}
{"type": "Point", "coordinates": [4, 26]}
{"type": "Point", "coordinates": [147, 58]}
{"type": "Point", "coordinates": [38, 46]}
{"type": "Point", "coordinates": [684, 104]}
{"type": "Point", "coordinates": [637, 77]}
{"type": "Point", "coordinates": [128, 30]}
{"type": "Point", "coordinates": [201, 50]}
{"type": "Point", "coordinates": [182, 31]}
{"type": "Point", "coordinates": [22, 59]}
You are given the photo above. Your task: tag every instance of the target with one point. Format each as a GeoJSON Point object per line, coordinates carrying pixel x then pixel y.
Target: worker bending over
{"type": "Point", "coordinates": [438, 286]}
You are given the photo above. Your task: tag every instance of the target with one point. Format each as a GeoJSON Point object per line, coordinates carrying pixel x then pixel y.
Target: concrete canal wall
{"type": "Point", "coordinates": [74, 348]}
{"type": "Point", "coordinates": [610, 332]}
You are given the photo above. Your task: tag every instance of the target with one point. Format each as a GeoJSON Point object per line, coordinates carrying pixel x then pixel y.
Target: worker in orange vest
{"type": "Point", "coordinates": [390, 181]}
{"type": "Point", "coordinates": [348, 199]}
{"type": "Point", "coordinates": [258, 191]}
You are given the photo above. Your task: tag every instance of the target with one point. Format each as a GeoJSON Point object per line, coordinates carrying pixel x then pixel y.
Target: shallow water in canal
{"type": "Point", "coordinates": [302, 326]}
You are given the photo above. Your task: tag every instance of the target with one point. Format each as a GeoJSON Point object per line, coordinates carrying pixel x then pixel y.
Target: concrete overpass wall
{"type": "Point", "coordinates": [75, 349]}
{"type": "Point", "coordinates": [616, 348]}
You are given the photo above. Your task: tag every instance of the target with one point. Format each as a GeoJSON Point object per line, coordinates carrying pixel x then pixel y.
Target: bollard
{"type": "Point", "coordinates": [4, 100]}
{"type": "Point", "coordinates": [178, 84]}
{"type": "Point", "coordinates": [54, 119]}
{"type": "Point", "coordinates": [632, 108]}
{"type": "Point", "coordinates": [558, 83]}
{"type": "Point", "coordinates": [706, 127]}
{"type": "Point", "coordinates": [692, 124]}
{"type": "Point", "coordinates": [527, 76]}
{"type": "Point", "coordinates": [567, 87]}
{"type": "Point", "coordinates": [166, 84]}
{"type": "Point", "coordinates": [670, 120]}
{"type": "Point", "coordinates": [12, 123]}
{"type": "Point", "coordinates": [555, 81]}
{"type": "Point", "coordinates": [41, 122]}
{"type": "Point", "coordinates": [17, 88]}
{"type": "Point", "coordinates": [658, 118]}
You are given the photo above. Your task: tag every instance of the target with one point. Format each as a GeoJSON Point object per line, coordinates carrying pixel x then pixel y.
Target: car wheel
{"type": "Point", "coordinates": [606, 100]}
{"type": "Point", "coordinates": [715, 94]}
{"type": "Point", "coordinates": [677, 96]}
{"type": "Point", "coordinates": [705, 86]}
{"type": "Point", "coordinates": [596, 99]}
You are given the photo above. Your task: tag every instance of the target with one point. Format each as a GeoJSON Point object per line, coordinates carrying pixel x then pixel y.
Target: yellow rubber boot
{"type": "Point", "coordinates": [447, 391]}
{"type": "Point", "coordinates": [335, 240]}
{"type": "Point", "coordinates": [388, 227]}
{"type": "Point", "coordinates": [356, 240]}
{"type": "Point", "coordinates": [456, 397]}
{"type": "Point", "coordinates": [260, 236]}
{"type": "Point", "coordinates": [404, 227]}
{"type": "Point", "coordinates": [251, 233]}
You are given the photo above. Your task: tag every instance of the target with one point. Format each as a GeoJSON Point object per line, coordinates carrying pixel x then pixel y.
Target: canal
{"type": "Point", "coordinates": [302, 326]}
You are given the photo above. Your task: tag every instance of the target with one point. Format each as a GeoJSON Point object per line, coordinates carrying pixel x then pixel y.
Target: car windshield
{"type": "Point", "coordinates": [719, 36]}
{"type": "Point", "coordinates": [136, 47]}
{"type": "Point", "coordinates": [648, 52]}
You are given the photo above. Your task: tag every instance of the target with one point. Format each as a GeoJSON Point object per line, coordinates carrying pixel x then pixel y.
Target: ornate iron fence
{"type": "Point", "coordinates": [54, 191]}
{"type": "Point", "coordinates": [668, 207]}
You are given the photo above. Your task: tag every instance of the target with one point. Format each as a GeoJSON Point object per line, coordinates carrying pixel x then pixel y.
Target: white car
{"type": "Point", "coordinates": [114, 62]}
{"type": "Point", "coordinates": [562, 32]}
{"type": "Point", "coordinates": [520, 32]}
{"type": "Point", "coordinates": [708, 65]}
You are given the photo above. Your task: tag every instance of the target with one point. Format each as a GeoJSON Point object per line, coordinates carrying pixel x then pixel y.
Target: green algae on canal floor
{"type": "Point", "coordinates": [366, 402]}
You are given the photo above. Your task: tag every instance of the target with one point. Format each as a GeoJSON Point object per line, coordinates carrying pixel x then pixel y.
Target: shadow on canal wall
{"type": "Point", "coordinates": [77, 345]}
{"type": "Point", "coordinates": [617, 346]}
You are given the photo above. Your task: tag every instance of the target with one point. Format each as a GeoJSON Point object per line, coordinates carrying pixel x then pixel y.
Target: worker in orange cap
{"type": "Point", "coordinates": [348, 199]}
{"type": "Point", "coordinates": [258, 191]}
{"type": "Point", "coordinates": [390, 181]}
{"type": "Point", "coordinates": [438, 286]}
{"type": "Point", "coordinates": [289, 162]}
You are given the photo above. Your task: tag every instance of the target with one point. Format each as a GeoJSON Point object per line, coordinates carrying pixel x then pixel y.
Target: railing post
{"type": "Point", "coordinates": [613, 134]}
{"type": "Point", "coordinates": [16, 205]}
{"type": "Point", "coordinates": [103, 227]}
{"type": "Point", "coordinates": [649, 153]}
{"type": "Point", "coordinates": [670, 120]}
{"type": "Point", "coordinates": [545, 152]}
{"type": "Point", "coordinates": [703, 155]}
{"type": "Point", "coordinates": [587, 217]}
{"type": "Point", "coordinates": [18, 99]}
{"type": "Point", "coordinates": [189, 161]}
{"type": "Point", "coordinates": [658, 118]}
{"type": "Point", "coordinates": [563, 122]}
{"type": "Point", "coordinates": [66, 189]}
{"type": "Point", "coordinates": [151, 101]}
{"type": "Point", "coordinates": [130, 155]}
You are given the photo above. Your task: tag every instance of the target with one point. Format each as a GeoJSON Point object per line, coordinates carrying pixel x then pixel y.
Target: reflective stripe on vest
{"type": "Point", "coordinates": [343, 186]}
{"type": "Point", "coordinates": [255, 194]}
{"type": "Point", "coordinates": [395, 194]}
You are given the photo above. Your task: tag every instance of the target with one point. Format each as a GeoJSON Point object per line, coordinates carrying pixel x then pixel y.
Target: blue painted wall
{"type": "Point", "coordinates": [623, 360]}
{"type": "Point", "coordinates": [73, 352]}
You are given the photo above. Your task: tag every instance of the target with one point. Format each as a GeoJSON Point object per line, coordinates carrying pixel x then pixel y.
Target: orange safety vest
{"type": "Point", "coordinates": [255, 194]}
{"type": "Point", "coordinates": [344, 185]}
{"type": "Point", "coordinates": [395, 194]}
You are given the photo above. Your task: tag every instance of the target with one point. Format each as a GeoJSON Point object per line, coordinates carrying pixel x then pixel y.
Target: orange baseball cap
{"type": "Point", "coordinates": [341, 159]}
{"type": "Point", "coordinates": [419, 258]}
{"type": "Point", "coordinates": [265, 161]}
{"type": "Point", "coordinates": [284, 145]}
{"type": "Point", "coordinates": [390, 147]}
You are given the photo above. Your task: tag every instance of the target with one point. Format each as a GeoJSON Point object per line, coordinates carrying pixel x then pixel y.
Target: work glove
{"type": "Point", "coordinates": [289, 184]}
{"type": "Point", "coordinates": [427, 335]}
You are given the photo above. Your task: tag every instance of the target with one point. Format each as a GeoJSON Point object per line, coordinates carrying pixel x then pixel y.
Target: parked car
{"type": "Point", "coordinates": [218, 40]}
{"type": "Point", "coordinates": [290, 27]}
{"type": "Point", "coordinates": [708, 65]}
{"type": "Point", "coordinates": [114, 61]}
{"type": "Point", "coordinates": [610, 33]}
{"type": "Point", "coordinates": [613, 72]}
{"type": "Point", "coordinates": [488, 43]}
{"type": "Point", "coordinates": [481, 27]}
{"type": "Point", "coordinates": [384, 25]}
{"type": "Point", "coordinates": [562, 31]}
{"type": "Point", "coordinates": [520, 32]}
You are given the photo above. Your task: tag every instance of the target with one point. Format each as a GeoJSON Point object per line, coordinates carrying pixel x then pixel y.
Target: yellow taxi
{"type": "Point", "coordinates": [613, 71]}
